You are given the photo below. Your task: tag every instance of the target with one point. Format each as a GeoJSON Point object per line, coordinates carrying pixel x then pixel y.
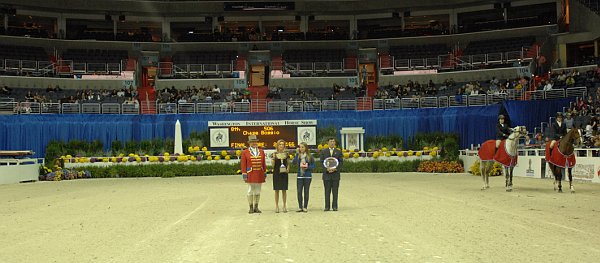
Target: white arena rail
{"type": "Point", "coordinates": [532, 163]}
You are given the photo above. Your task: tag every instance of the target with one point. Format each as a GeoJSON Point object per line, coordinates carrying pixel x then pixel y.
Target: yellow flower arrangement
{"type": "Point", "coordinates": [207, 153]}
{"type": "Point", "coordinates": [223, 153]}
{"type": "Point", "coordinates": [355, 155]}
{"type": "Point", "coordinates": [166, 154]}
{"type": "Point", "coordinates": [433, 153]}
{"type": "Point", "coordinates": [346, 155]}
{"type": "Point", "coordinates": [138, 159]}
{"type": "Point", "coordinates": [410, 153]}
{"type": "Point", "coordinates": [124, 159]}
{"type": "Point", "coordinates": [182, 158]}
{"type": "Point", "coordinates": [204, 149]}
{"type": "Point", "coordinates": [419, 153]}
{"type": "Point", "coordinates": [131, 155]}
{"type": "Point", "coordinates": [494, 169]}
{"type": "Point", "coordinates": [384, 149]}
{"type": "Point", "coordinates": [217, 158]}
{"type": "Point", "coordinates": [209, 157]}
{"type": "Point", "coordinates": [227, 157]}
{"type": "Point", "coordinates": [238, 153]}
{"type": "Point", "coordinates": [105, 160]}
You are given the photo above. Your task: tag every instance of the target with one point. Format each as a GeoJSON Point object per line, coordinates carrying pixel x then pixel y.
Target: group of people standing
{"type": "Point", "coordinates": [254, 173]}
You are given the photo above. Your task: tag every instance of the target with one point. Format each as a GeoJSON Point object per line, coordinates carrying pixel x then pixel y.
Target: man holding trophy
{"type": "Point", "coordinates": [254, 170]}
{"type": "Point", "coordinates": [332, 163]}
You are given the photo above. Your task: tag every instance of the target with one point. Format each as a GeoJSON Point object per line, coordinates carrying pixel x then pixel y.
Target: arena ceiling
{"type": "Point", "coordinates": [212, 7]}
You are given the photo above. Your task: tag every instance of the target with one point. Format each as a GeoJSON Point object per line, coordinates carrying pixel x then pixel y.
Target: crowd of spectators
{"type": "Point", "coordinates": [585, 115]}
{"type": "Point", "coordinates": [207, 94]}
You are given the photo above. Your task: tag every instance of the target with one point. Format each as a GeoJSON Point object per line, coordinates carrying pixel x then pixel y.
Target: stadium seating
{"type": "Point", "coordinates": [200, 57]}
{"type": "Point", "coordinates": [498, 45]}
{"type": "Point", "coordinates": [419, 51]}
{"type": "Point", "coordinates": [322, 55]}
{"type": "Point", "coordinates": [94, 55]}
{"type": "Point", "coordinates": [23, 53]}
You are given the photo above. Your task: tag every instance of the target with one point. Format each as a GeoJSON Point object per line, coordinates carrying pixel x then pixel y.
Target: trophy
{"type": "Point", "coordinates": [331, 163]}
{"type": "Point", "coordinates": [282, 156]}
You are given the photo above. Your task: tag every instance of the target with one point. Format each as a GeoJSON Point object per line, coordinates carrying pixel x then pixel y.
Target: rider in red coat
{"type": "Point", "coordinates": [254, 170]}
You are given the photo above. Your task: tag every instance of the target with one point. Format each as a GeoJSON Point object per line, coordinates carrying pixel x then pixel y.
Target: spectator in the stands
{"type": "Point", "coordinates": [494, 84]}
{"type": "Point", "coordinates": [29, 97]}
{"type": "Point", "coordinates": [581, 104]}
{"type": "Point", "coordinates": [549, 85]}
{"type": "Point", "coordinates": [5, 90]}
{"type": "Point", "coordinates": [431, 90]}
{"type": "Point", "coordinates": [569, 121]}
{"type": "Point", "coordinates": [570, 81]}
{"type": "Point", "coordinates": [590, 102]}
{"type": "Point", "coordinates": [245, 99]}
{"type": "Point", "coordinates": [216, 89]}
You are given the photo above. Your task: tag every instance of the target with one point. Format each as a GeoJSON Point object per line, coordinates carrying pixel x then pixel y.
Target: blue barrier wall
{"type": "Point", "coordinates": [473, 124]}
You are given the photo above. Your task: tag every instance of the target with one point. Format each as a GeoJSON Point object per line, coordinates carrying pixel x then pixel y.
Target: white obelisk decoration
{"type": "Point", "coordinates": [178, 141]}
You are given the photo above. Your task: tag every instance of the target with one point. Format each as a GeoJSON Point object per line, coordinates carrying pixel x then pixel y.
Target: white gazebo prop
{"type": "Point", "coordinates": [353, 138]}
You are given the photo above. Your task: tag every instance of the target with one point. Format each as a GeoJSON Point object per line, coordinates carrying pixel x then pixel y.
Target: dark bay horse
{"type": "Point", "coordinates": [561, 158]}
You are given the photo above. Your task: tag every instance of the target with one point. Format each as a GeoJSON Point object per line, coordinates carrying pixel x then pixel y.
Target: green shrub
{"type": "Point", "coordinates": [168, 174]}
{"type": "Point", "coordinates": [450, 148]}
{"type": "Point", "coordinates": [323, 134]}
{"type": "Point", "coordinates": [116, 146]}
{"type": "Point", "coordinates": [209, 169]}
{"type": "Point", "coordinates": [379, 142]}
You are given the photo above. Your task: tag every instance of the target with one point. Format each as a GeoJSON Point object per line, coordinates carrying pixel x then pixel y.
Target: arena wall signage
{"type": "Point", "coordinates": [234, 134]}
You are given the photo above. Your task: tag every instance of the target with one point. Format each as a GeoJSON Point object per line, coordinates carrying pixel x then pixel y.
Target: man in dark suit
{"type": "Point", "coordinates": [331, 176]}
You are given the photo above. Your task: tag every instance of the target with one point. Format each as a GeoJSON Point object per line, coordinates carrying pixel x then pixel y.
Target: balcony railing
{"type": "Point", "coordinates": [12, 107]}
{"type": "Point", "coordinates": [61, 67]}
{"type": "Point", "coordinates": [169, 70]}
{"type": "Point", "coordinates": [465, 62]}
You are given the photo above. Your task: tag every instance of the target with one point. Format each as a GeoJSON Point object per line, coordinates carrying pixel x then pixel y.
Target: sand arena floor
{"type": "Point", "coordinates": [397, 217]}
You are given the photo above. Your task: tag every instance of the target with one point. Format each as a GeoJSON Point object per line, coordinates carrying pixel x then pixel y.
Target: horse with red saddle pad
{"type": "Point", "coordinates": [561, 158]}
{"type": "Point", "coordinates": [506, 154]}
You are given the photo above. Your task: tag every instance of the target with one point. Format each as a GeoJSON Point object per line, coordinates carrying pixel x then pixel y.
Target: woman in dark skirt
{"type": "Point", "coordinates": [281, 168]}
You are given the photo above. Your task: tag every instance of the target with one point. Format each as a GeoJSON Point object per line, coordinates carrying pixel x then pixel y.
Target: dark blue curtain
{"type": "Point", "coordinates": [473, 124]}
{"type": "Point", "coordinates": [532, 113]}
